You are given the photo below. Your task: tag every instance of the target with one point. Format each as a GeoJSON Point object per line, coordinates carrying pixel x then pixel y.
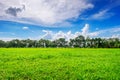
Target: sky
{"type": "Point", "coordinates": [53, 19]}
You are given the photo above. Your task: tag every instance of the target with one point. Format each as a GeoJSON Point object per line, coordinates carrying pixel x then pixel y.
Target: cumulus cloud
{"type": "Point", "coordinates": [48, 34]}
{"type": "Point", "coordinates": [43, 12]}
{"type": "Point", "coordinates": [13, 11]}
{"type": "Point", "coordinates": [51, 35]}
{"type": "Point", "coordinates": [108, 32]}
{"type": "Point", "coordinates": [116, 36]}
{"type": "Point", "coordinates": [84, 31]}
{"type": "Point", "coordinates": [67, 35]}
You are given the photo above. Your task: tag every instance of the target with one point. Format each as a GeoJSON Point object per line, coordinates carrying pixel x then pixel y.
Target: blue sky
{"type": "Point", "coordinates": [53, 19]}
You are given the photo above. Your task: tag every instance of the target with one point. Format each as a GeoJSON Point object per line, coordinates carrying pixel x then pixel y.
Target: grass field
{"type": "Point", "coordinates": [59, 64]}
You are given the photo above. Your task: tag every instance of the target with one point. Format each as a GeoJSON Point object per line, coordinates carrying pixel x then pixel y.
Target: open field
{"type": "Point", "coordinates": [59, 64]}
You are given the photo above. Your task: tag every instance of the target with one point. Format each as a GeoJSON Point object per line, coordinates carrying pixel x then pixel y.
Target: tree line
{"type": "Point", "coordinates": [78, 42]}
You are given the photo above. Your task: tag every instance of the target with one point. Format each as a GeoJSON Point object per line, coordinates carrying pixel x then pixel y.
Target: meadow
{"type": "Point", "coordinates": [59, 64]}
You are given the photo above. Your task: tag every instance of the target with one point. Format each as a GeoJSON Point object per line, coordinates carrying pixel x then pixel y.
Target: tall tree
{"type": "Point", "coordinates": [80, 41]}
{"type": "Point", "coordinates": [61, 42]}
{"type": "Point", "coordinates": [2, 43]}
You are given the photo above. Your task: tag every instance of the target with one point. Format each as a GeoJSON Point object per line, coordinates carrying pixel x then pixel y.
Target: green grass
{"type": "Point", "coordinates": [59, 64]}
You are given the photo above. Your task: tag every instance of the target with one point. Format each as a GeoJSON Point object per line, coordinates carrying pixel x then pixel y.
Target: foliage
{"type": "Point", "coordinates": [79, 41]}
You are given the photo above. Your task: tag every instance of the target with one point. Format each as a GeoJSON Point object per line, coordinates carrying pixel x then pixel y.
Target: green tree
{"type": "Point", "coordinates": [80, 41]}
{"type": "Point", "coordinates": [61, 42]}
{"type": "Point", "coordinates": [2, 43]}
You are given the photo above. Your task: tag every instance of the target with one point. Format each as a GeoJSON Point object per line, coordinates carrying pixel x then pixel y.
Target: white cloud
{"type": "Point", "coordinates": [109, 32]}
{"type": "Point", "coordinates": [51, 35]}
{"type": "Point", "coordinates": [43, 12]}
{"type": "Point", "coordinates": [67, 35]}
{"type": "Point", "coordinates": [25, 28]}
{"type": "Point", "coordinates": [48, 34]}
{"type": "Point", "coordinates": [85, 30]}
{"type": "Point", "coordinates": [100, 15]}
{"type": "Point", "coordinates": [8, 39]}
{"type": "Point", "coordinates": [116, 36]}
{"type": "Point", "coordinates": [115, 30]}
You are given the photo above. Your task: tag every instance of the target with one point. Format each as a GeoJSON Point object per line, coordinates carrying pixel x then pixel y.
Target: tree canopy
{"type": "Point", "coordinates": [80, 42]}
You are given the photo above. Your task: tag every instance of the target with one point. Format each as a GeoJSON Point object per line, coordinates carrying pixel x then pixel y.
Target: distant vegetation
{"type": "Point", "coordinates": [79, 41]}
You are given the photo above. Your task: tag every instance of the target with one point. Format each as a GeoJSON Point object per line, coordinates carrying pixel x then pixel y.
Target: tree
{"type": "Point", "coordinates": [2, 43]}
{"type": "Point", "coordinates": [88, 42]}
{"type": "Point", "coordinates": [13, 43]}
{"type": "Point", "coordinates": [44, 43]}
{"type": "Point", "coordinates": [61, 42]}
{"type": "Point", "coordinates": [80, 41]}
{"type": "Point", "coordinates": [72, 43]}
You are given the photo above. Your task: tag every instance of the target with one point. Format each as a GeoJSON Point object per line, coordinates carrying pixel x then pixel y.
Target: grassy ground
{"type": "Point", "coordinates": [59, 64]}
